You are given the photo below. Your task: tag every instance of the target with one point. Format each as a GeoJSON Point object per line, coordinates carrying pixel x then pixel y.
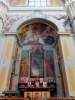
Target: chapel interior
{"type": "Point", "coordinates": [37, 43]}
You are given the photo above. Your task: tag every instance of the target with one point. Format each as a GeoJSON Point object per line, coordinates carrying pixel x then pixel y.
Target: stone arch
{"type": "Point", "coordinates": [38, 15]}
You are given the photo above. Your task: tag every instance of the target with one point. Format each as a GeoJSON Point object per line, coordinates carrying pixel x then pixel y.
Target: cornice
{"type": "Point", "coordinates": [27, 8]}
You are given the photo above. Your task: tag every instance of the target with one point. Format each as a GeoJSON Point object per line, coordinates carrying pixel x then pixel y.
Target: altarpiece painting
{"type": "Point", "coordinates": [37, 61]}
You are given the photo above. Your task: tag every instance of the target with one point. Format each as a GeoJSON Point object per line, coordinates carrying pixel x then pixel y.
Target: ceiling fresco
{"type": "Point", "coordinates": [37, 33]}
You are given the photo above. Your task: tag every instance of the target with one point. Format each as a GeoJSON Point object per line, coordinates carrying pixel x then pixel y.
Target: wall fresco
{"type": "Point", "coordinates": [37, 29]}
{"type": "Point", "coordinates": [34, 61]}
{"type": "Point", "coordinates": [24, 63]}
{"type": "Point", "coordinates": [37, 34]}
{"type": "Point", "coordinates": [49, 63]}
{"type": "Point", "coordinates": [9, 21]}
{"type": "Point", "coordinates": [66, 22]}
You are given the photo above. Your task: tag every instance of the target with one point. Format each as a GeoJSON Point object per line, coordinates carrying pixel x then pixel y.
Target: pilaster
{"type": "Point", "coordinates": [68, 56]}
{"type": "Point", "coordinates": [6, 63]}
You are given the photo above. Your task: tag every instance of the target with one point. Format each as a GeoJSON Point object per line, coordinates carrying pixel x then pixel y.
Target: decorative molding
{"type": "Point", "coordinates": [37, 14]}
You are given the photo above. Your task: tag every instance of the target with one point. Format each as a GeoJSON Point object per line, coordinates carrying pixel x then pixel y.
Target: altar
{"type": "Point", "coordinates": [38, 88]}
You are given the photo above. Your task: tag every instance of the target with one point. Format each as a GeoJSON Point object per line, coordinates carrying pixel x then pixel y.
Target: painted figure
{"type": "Point", "coordinates": [24, 66]}
{"type": "Point", "coordinates": [37, 63]}
{"type": "Point", "coordinates": [45, 96]}
{"type": "Point", "coordinates": [28, 96]}
{"type": "Point", "coordinates": [49, 67]}
{"type": "Point", "coordinates": [37, 96]}
{"type": "Point", "coordinates": [37, 34]}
